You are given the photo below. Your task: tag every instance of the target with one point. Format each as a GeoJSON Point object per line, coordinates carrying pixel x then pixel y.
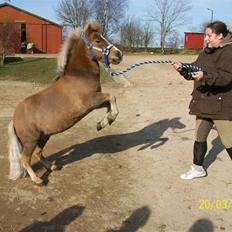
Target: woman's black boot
{"type": "Point", "coordinates": [199, 151]}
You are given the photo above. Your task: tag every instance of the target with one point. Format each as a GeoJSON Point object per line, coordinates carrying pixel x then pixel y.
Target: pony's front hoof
{"type": "Point", "coordinates": [99, 126]}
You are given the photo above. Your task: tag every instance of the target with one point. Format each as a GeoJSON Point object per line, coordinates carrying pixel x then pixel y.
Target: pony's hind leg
{"type": "Point", "coordinates": [38, 152]}
{"type": "Point", "coordinates": [26, 161]}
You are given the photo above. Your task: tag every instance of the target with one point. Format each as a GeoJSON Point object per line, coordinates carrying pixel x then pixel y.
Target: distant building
{"type": "Point", "coordinates": [193, 40]}
{"type": "Point", "coordinates": [45, 35]}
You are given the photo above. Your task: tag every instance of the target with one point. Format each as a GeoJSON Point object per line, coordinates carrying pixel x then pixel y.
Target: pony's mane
{"type": "Point", "coordinates": [65, 50]}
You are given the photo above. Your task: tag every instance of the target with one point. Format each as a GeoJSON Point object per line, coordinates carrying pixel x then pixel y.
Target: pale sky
{"type": "Point", "coordinates": [197, 15]}
{"type": "Point", "coordinates": [221, 10]}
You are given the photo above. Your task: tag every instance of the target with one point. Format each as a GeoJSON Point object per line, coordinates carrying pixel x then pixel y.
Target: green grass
{"type": "Point", "coordinates": [40, 70]}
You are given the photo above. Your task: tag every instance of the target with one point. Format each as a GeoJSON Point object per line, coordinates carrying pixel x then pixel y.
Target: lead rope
{"type": "Point", "coordinates": [189, 68]}
{"type": "Point", "coordinates": [114, 74]}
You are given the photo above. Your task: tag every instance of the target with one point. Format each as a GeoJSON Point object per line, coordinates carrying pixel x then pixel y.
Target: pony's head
{"type": "Point", "coordinates": [99, 47]}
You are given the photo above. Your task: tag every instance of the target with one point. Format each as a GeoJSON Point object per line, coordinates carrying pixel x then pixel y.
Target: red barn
{"type": "Point", "coordinates": [44, 34]}
{"type": "Point", "coordinates": [193, 40]}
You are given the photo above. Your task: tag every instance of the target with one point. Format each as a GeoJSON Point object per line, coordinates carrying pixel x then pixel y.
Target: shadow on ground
{"type": "Point", "coordinates": [203, 224]}
{"type": "Point", "coordinates": [58, 223]}
{"type": "Point", "coordinates": [136, 220]}
{"type": "Point", "coordinates": [148, 137]}
{"type": "Point", "coordinates": [211, 156]}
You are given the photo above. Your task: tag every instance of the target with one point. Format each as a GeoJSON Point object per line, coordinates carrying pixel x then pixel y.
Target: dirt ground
{"type": "Point", "coordinates": [124, 178]}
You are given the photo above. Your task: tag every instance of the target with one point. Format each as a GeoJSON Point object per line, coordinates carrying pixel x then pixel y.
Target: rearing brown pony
{"type": "Point", "coordinates": [75, 93]}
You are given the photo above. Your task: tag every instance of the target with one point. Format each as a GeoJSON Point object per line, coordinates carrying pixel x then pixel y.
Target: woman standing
{"type": "Point", "coordinates": [212, 94]}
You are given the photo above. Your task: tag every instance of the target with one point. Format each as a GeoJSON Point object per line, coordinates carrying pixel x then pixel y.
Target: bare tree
{"type": "Point", "coordinates": [9, 39]}
{"type": "Point", "coordinates": [148, 35]}
{"type": "Point", "coordinates": [173, 40]}
{"type": "Point", "coordinates": [139, 35]}
{"type": "Point", "coordinates": [169, 14]}
{"type": "Point", "coordinates": [74, 13]}
{"type": "Point", "coordinates": [136, 34]}
{"type": "Point", "coordinates": [129, 33]}
{"type": "Point", "coordinates": [110, 13]}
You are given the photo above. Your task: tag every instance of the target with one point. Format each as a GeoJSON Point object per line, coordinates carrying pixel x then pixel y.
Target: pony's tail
{"type": "Point", "coordinates": [14, 149]}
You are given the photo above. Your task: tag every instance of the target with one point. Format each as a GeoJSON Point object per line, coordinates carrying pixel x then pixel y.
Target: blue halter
{"type": "Point", "coordinates": [104, 51]}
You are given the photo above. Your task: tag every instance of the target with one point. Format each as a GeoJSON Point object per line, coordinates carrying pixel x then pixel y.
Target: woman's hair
{"type": "Point", "coordinates": [218, 27]}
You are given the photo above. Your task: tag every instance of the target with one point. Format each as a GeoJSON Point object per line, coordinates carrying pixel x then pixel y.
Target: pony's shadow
{"type": "Point", "coordinates": [217, 147]}
{"type": "Point", "coordinates": [58, 223]}
{"type": "Point", "coordinates": [136, 220]}
{"type": "Point", "coordinates": [148, 137]}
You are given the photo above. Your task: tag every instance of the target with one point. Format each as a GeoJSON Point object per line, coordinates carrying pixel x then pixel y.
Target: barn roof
{"type": "Point", "coordinates": [190, 32]}
{"type": "Point", "coordinates": [27, 12]}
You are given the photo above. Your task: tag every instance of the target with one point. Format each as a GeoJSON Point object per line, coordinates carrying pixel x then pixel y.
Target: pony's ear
{"type": "Point", "coordinates": [93, 26]}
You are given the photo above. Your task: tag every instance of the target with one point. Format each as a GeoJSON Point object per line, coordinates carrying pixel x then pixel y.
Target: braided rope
{"type": "Point", "coordinates": [114, 74]}
{"type": "Point", "coordinates": [190, 70]}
